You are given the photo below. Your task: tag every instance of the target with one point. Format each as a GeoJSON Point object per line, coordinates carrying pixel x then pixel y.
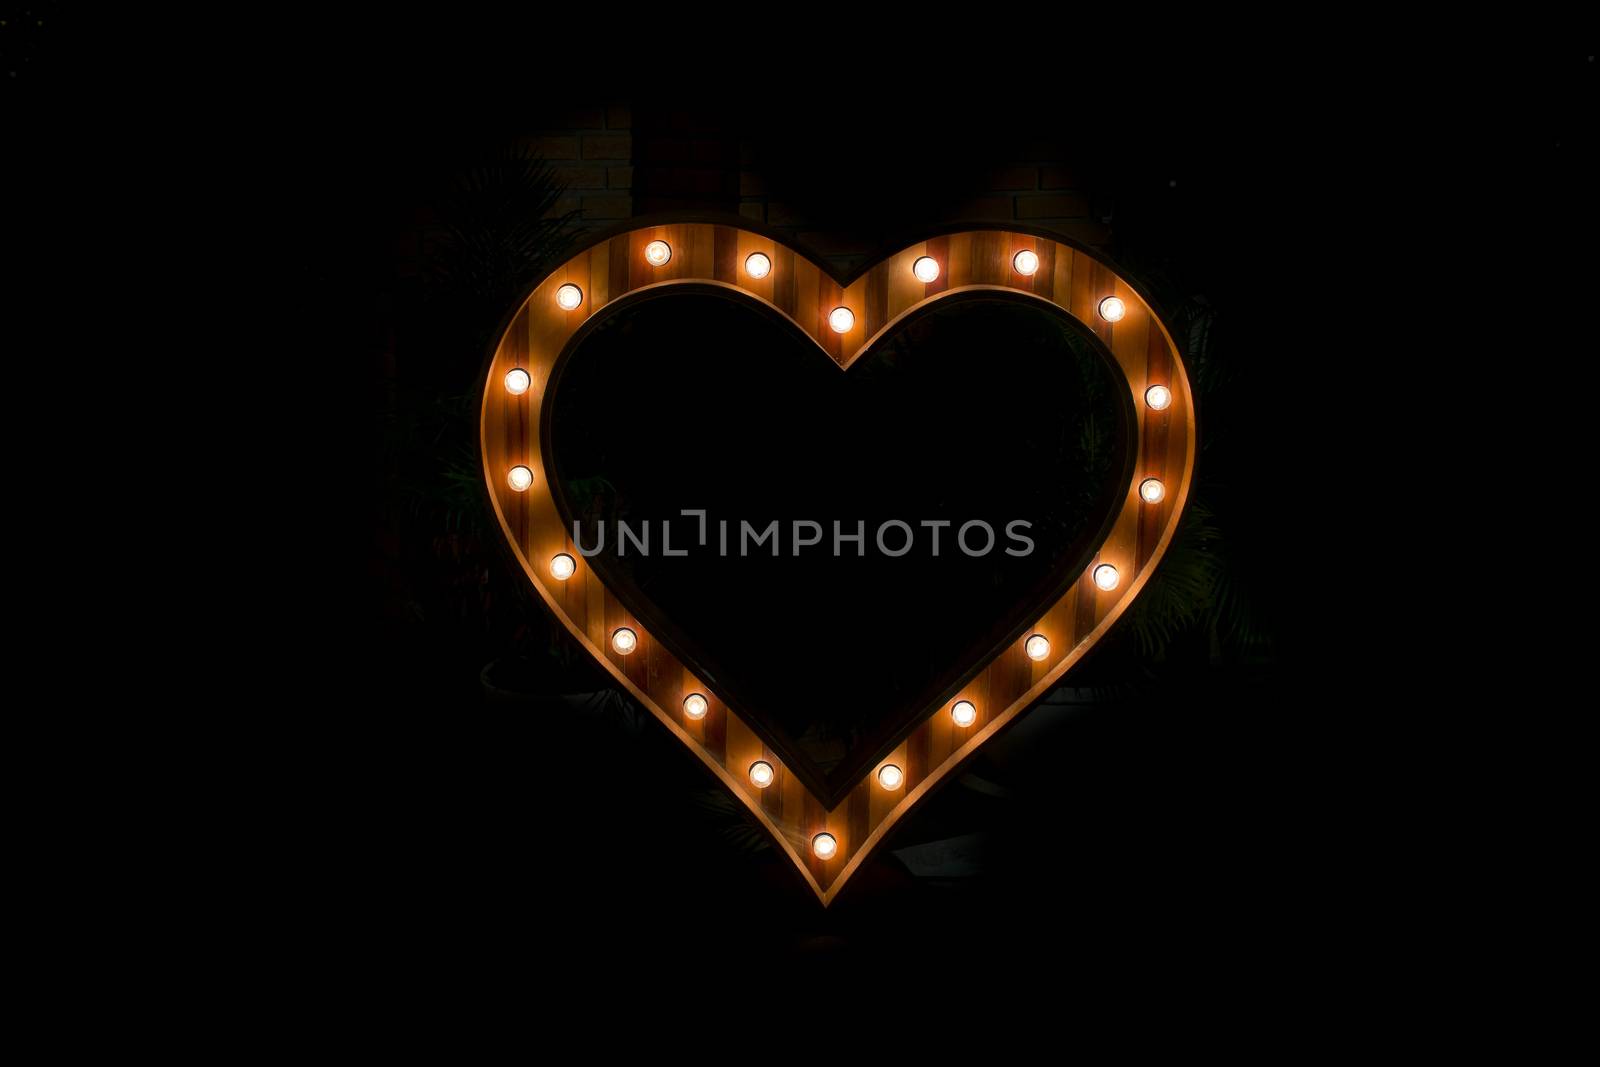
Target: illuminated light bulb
{"type": "Point", "coordinates": [520, 478]}
{"type": "Point", "coordinates": [656, 253]}
{"type": "Point", "coordinates": [1159, 397]}
{"type": "Point", "coordinates": [926, 269]}
{"type": "Point", "coordinates": [517, 381]}
{"type": "Point", "coordinates": [1026, 261]}
{"type": "Point", "coordinates": [1038, 647]}
{"type": "Point", "coordinates": [624, 641]}
{"type": "Point", "coordinates": [841, 319]}
{"type": "Point", "coordinates": [694, 706]}
{"type": "Point", "coordinates": [761, 774]}
{"type": "Point", "coordinates": [757, 265]}
{"type": "Point", "coordinates": [569, 296]}
{"type": "Point", "coordinates": [964, 713]}
{"type": "Point", "coordinates": [824, 846]}
{"type": "Point", "coordinates": [1151, 490]}
{"type": "Point", "coordinates": [891, 777]}
{"type": "Point", "coordinates": [1106, 577]}
{"type": "Point", "coordinates": [1112, 309]}
{"type": "Point", "coordinates": [562, 567]}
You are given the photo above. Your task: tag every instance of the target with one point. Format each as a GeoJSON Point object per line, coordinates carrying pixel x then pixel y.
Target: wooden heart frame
{"type": "Point", "coordinates": [1000, 688]}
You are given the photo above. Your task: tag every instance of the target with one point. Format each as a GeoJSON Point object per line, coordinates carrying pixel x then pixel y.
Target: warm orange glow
{"type": "Point", "coordinates": [512, 434]}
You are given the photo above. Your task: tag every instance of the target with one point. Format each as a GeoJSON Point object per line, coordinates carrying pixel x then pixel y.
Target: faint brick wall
{"type": "Point", "coordinates": [591, 151]}
{"type": "Point", "coordinates": [1036, 190]}
{"type": "Point", "coordinates": [618, 164]}
{"type": "Point", "coordinates": [687, 161]}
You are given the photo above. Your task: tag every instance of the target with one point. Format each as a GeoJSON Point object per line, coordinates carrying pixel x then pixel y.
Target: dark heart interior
{"type": "Point", "coordinates": [980, 407]}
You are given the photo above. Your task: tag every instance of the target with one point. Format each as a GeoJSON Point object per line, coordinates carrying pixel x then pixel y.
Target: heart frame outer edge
{"type": "Point", "coordinates": [1002, 687]}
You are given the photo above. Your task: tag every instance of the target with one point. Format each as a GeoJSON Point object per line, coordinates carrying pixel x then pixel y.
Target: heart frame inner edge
{"type": "Point", "coordinates": [970, 260]}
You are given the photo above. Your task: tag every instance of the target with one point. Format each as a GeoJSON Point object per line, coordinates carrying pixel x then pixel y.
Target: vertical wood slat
{"type": "Point", "coordinates": [1061, 284]}
{"type": "Point", "coordinates": [772, 796]}
{"type": "Point", "coordinates": [1043, 282]}
{"type": "Point", "coordinates": [702, 258]}
{"type": "Point", "coordinates": [618, 261]}
{"type": "Point", "coordinates": [727, 255]}
{"type": "Point", "coordinates": [941, 738]}
{"type": "Point", "coordinates": [741, 748]}
{"type": "Point", "coordinates": [991, 265]}
{"type": "Point", "coordinates": [813, 821]}
{"type": "Point", "coordinates": [960, 260]}
{"type": "Point", "coordinates": [877, 299]}
{"type": "Point", "coordinates": [902, 289]}
{"type": "Point", "coordinates": [798, 287]}
{"type": "Point", "coordinates": [1080, 298]}
{"type": "Point", "coordinates": [794, 802]}
{"type": "Point", "coordinates": [858, 812]}
{"type": "Point", "coordinates": [938, 248]}
{"type": "Point", "coordinates": [918, 745]}
{"type": "Point", "coordinates": [829, 296]}
{"type": "Point", "coordinates": [785, 282]}
{"type": "Point", "coordinates": [600, 287]}
{"type": "Point", "coordinates": [597, 609]}
{"type": "Point", "coordinates": [716, 730]}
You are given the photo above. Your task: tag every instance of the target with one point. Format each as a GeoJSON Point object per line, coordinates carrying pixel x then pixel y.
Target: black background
{"type": "Point", "coordinates": [370, 821]}
{"type": "Point", "coordinates": [1260, 817]}
{"type": "Point", "coordinates": [1166, 806]}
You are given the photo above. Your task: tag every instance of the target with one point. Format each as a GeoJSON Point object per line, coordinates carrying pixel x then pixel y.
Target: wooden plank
{"type": "Point", "coordinates": [785, 282]}
{"type": "Point", "coordinates": [726, 255]}
{"type": "Point", "coordinates": [701, 262]}
{"type": "Point", "coordinates": [1044, 282]}
{"type": "Point", "coordinates": [617, 262]}
{"type": "Point", "coordinates": [960, 259]}
{"type": "Point", "coordinates": [939, 249]}
{"type": "Point", "coordinates": [830, 296]}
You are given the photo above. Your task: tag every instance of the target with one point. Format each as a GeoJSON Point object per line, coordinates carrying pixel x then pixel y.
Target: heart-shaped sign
{"type": "Point", "coordinates": [629, 310]}
{"type": "Point", "coordinates": [985, 411]}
